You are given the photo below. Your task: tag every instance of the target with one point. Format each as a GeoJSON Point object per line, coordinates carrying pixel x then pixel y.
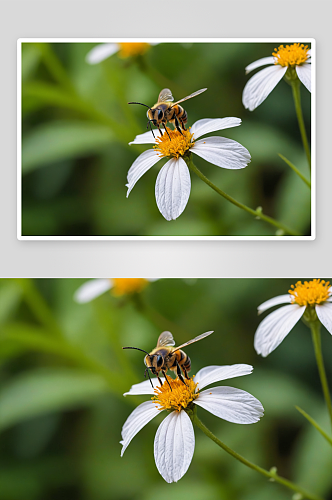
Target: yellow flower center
{"type": "Point", "coordinates": [178, 398]}
{"type": "Point", "coordinates": [123, 286]}
{"type": "Point", "coordinates": [310, 293]}
{"type": "Point", "coordinates": [291, 55]}
{"type": "Point", "coordinates": [132, 49]}
{"type": "Point", "coordinates": [175, 145]}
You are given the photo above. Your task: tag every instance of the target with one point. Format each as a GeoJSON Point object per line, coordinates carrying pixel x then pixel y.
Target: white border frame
{"type": "Point", "coordinates": [312, 41]}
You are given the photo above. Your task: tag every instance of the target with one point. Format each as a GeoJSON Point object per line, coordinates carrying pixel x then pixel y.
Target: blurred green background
{"type": "Point", "coordinates": [77, 124]}
{"type": "Point", "coordinates": [63, 373]}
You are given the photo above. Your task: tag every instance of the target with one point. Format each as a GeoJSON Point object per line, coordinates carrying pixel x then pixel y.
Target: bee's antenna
{"type": "Point", "coordinates": [140, 104]}
{"type": "Point", "coordinates": [136, 349]}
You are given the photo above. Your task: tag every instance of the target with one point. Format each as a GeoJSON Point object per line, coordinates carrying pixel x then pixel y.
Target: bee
{"type": "Point", "coordinates": [163, 357]}
{"type": "Point", "coordinates": [166, 111]}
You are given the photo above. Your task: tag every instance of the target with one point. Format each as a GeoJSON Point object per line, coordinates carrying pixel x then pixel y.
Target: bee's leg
{"type": "Point", "coordinates": [178, 372]}
{"type": "Point", "coordinates": [147, 126]}
{"type": "Point", "coordinates": [185, 373]}
{"type": "Point", "coordinates": [167, 131]}
{"type": "Point", "coordinates": [164, 373]}
{"type": "Point", "coordinates": [177, 124]}
{"type": "Point", "coordinates": [147, 370]}
{"type": "Point", "coordinates": [182, 125]}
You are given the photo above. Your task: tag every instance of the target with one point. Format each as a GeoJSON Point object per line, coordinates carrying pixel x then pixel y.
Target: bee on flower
{"type": "Point", "coordinates": [292, 62]}
{"type": "Point", "coordinates": [173, 182]}
{"type": "Point", "coordinates": [174, 442]}
{"type": "Point", "coordinates": [118, 286]}
{"type": "Point", "coordinates": [311, 300]}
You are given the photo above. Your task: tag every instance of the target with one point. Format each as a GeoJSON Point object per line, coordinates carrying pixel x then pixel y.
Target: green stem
{"type": "Point", "coordinates": [314, 423]}
{"type": "Point", "coordinates": [295, 84]}
{"type": "Point", "coordinates": [315, 331]}
{"type": "Point", "coordinates": [256, 213]}
{"type": "Point", "coordinates": [292, 166]}
{"type": "Point", "coordinates": [38, 306]}
{"type": "Point", "coordinates": [272, 474]}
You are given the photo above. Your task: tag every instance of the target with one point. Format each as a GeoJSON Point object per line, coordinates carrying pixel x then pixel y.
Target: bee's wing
{"type": "Point", "coordinates": [165, 95]}
{"type": "Point", "coordinates": [165, 339]}
{"type": "Point", "coordinates": [190, 96]}
{"type": "Point", "coordinates": [196, 339]}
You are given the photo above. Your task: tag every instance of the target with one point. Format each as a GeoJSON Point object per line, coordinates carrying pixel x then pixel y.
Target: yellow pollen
{"type": "Point", "coordinates": [178, 398]}
{"type": "Point", "coordinates": [132, 49]}
{"type": "Point", "coordinates": [291, 55]}
{"type": "Point", "coordinates": [310, 293]}
{"type": "Point", "coordinates": [176, 145]}
{"type": "Point", "coordinates": [123, 286]}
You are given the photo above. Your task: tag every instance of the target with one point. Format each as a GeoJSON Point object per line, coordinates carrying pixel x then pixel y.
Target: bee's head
{"type": "Point", "coordinates": [154, 362]}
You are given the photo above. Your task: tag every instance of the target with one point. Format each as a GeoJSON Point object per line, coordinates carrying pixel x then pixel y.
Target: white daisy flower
{"type": "Point", "coordinates": [104, 50]}
{"type": "Point", "coordinates": [314, 296]}
{"type": "Point", "coordinates": [175, 440]}
{"type": "Point", "coordinates": [119, 286]}
{"type": "Point", "coordinates": [295, 60]}
{"type": "Point", "coordinates": [173, 182]}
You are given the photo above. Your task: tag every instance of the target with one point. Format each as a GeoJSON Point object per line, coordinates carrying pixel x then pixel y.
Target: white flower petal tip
{"type": "Point", "coordinates": [275, 327]}
{"type": "Point", "coordinates": [222, 152]}
{"type": "Point", "coordinates": [140, 166]}
{"type": "Point", "coordinates": [210, 374]}
{"type": "Point", "coordinates": [275, 301]}
{"type": "Point", "coordinates": [261, 85]}
{"type": "Point", "coordinates": [101, 52]}
{"type": "Point", "coordinates": [304, 74]}
{"type": "Point", "coordinates": [91, 290]}
{"type": "Point", "coordinates": [233, 405]}
{"type": "Point", "coordinates": [324, 313]}
{"type": "Point", "coordinates": [136, 421]}
{"type": "Point", "coordinates": [143, 387]}
{"type": "Point", "coordinates": [174, 446]}
{"type": "Point", "coordinates": [173, 188]}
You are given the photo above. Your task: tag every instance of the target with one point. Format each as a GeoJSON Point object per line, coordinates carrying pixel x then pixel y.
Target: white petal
{"type": "Point", "coordinates": [141, 165]}
{"type": "Point", "coordinates": [259, 63]}
{"type": "Point", "coordinates": [173, 188]}
{"type": "Point", "coordinates": [207, 125]}
{"type": "Point", "coordinates": [136, 421]}
{"type": "Point", "coordinates": [174, 446]}
{"type": "Point", "coordinates": [92, 289]}
{"type": "Point", "coordinates": [324, 313]}
{"type": "Point", "coordinates": [275, 301]}
{"type": "Point", "coordinates": [101, 52]}
{"type": "Point", "coordinates": [222, 152]}
{"type": "Point", "coordinates": [274, 328]}
{"type": "Point", "coordinates": [143, 387]}
{"type": "Point", "coordinates": [233, 405]}
{"type": "Point", "coordinates": [304, 74]}
{"type": "Point", "coordinates": [211, 374]}
{"type": "Point", "coordinates": [260, 85]}
{"type": "Point", "coordinates": [146, 138]}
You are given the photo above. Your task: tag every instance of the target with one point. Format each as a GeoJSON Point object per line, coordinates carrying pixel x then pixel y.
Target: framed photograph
{"type": "Point", "coordinates": [166, 139]}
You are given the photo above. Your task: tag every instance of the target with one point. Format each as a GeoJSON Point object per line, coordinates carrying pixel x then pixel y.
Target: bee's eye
{"type": "Point", "coordinates": [159, 361]}
{"type": "Point", "coordinates": [160, 114]}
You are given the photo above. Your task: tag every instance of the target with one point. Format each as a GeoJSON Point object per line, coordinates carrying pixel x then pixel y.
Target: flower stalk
{"type": "Point", "coordinates": [315, 332]}
{"type": "Point", "coordinates": [271, 474]}
{"type": "Point", "coordinates": [256, 213]}
{"type": "Point", "coordinates": [296, 170]}
{"type": "Point", "coordinates": [295, 84]}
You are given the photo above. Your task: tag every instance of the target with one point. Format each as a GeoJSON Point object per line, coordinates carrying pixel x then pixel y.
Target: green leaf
{"type": "Point", "coordinates": [61, 140]}
{"type": "Point", "coordinates": [45, 390]}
